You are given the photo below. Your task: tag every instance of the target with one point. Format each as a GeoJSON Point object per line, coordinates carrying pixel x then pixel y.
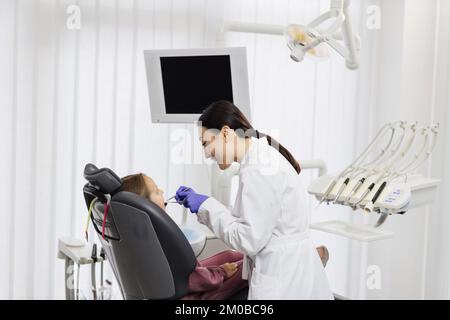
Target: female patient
{"type": "Point", "coordinates": [217, 277]}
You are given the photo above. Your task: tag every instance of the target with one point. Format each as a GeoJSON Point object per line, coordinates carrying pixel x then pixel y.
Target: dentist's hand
{"type": "Point", "coordinates": [190, 198]}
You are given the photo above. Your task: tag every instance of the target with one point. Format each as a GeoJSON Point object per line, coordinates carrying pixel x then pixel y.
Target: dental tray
{"type": "Point", "coordinates": [366, 233]}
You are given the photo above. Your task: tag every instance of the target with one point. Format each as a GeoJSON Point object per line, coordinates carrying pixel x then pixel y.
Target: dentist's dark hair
{"type": "Point", "coordinates": [224, 113]}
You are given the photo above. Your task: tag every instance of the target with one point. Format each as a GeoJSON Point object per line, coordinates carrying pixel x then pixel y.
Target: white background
{"type": "Point", "coordinates": [68, 97]}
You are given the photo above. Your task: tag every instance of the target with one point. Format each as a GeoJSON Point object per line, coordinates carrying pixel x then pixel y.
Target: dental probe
{"type": "Point", "coordinates": [168, 200]}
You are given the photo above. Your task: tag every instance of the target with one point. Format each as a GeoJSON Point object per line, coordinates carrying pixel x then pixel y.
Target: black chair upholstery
{"type": "Point", "coordinates": [149, 254]}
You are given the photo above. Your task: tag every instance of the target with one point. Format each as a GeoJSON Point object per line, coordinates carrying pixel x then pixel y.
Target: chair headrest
{"type": "Point", "coordinates": [104, 179]}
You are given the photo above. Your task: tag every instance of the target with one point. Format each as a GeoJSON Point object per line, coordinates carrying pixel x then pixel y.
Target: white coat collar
{"type": "Point", "coordinates": [252, 151]}
{"type": "Point", "coordinates": [262, 156]}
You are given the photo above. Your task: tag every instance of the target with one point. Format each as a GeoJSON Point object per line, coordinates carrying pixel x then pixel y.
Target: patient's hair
{"type": "Point", "coordinates": [136, 183]}
{"type": "Point", "coordinates": [224, 113]}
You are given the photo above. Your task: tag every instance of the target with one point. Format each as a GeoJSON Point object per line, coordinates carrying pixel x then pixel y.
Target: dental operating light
{"type": "Point", "coordinates": [315, 39]}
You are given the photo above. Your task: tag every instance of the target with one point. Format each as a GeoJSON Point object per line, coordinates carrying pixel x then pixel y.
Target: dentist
{"type": "Point", "coordinates": [269, 222]}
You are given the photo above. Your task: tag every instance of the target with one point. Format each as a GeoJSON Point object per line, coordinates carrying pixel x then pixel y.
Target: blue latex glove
{"type": "Point", "coordinates": [190, 198]}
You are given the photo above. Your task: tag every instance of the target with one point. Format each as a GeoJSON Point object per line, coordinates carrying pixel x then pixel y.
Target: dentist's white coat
{"type": "Point", "coordinates": [270, 225]}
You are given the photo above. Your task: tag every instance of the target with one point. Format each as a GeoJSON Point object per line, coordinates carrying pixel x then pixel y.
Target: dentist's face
{"type": "Point", "coordinates": [218, 145]}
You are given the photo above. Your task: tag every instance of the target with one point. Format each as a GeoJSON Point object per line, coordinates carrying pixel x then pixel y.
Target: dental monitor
{"type": "Point", "coordinates": [183, 82]}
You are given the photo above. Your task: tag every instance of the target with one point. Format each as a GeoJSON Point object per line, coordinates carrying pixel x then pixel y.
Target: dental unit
{"type": "Point", "coordinates": [388, 184]}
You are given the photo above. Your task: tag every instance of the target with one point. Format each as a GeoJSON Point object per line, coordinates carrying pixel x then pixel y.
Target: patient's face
{"type": "Point", "coordinates": [156, 194]}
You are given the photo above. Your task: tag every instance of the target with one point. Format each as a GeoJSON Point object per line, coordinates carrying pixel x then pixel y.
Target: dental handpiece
{"type": "Point", "coordinates": [341, 189]}
{"type": "Point", "coordinates": [378, 193]}
{"type": "Point", "coordinates": [370, 206]}
{"type": "Point", "coordinates": [369, 189]}
{"type": "Point", "coordinates": [355, 189]}
{"type": "Point", "coordinates": [360, 159]}
{"type": "Point", "coordinates": [325, 195]}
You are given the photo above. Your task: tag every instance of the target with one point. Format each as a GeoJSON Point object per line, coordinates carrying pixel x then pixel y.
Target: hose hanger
{"type": "Point", "coordinates": [420, 155]}
{"type": "Point", "coordinates": [358, 160]}
{"type": "Point", "coordinates": [407, 147]}
{"type": "Point", "coordinates": [388, 152]}
{"type": "Point", "coordinates": [383, 179]}
{"type": "Point", "coordinates": [373, 164]}
{"type": "Point", "coordinates": [385, 172]}
{"type": "Point", "coordinates": [425, 154]}
{"type": "Point", "coordinates": [370, 169]}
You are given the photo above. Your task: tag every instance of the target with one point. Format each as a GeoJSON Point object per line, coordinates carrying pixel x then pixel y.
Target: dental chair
{"type": "Point", "coordinates": [149, 254]}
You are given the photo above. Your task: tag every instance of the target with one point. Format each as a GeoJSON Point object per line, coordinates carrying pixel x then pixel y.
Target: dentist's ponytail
{"type": "Point", "coordinates": [224, 113]}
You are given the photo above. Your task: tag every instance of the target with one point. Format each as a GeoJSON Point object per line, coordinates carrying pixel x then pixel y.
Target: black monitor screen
{"type": "Point", "coordinates": [191, 83]}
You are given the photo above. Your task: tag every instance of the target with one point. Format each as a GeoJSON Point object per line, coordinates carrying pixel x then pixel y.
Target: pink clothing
{"type": "Point", "coordinates": [208, 280]}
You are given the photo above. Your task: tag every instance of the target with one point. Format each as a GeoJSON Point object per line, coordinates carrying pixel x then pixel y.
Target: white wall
{"type": "Point", "coordinates": [71, 97]}
{"type": "Point", "coordinates": [413, 85]}
{"type": "Point", "coordinates": [437, 270]}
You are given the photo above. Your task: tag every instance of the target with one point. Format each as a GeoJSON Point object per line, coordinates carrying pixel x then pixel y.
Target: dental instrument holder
{"type": "Point", "coordinates": [394, 190]}
{"type": "Point", "coordinates": [75, 252]}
